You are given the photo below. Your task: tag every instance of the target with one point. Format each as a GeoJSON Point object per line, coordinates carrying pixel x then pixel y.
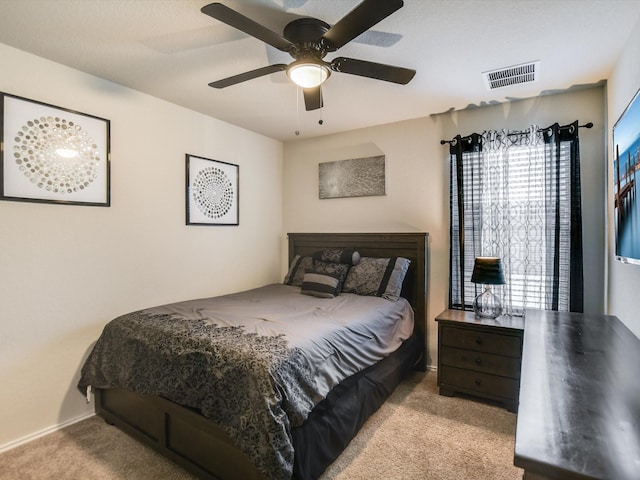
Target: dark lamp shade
{"type": "Point", "coordinates": [488, 270]}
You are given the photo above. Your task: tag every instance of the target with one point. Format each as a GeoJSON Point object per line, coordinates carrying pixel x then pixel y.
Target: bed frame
{"type": "Point", "coordinates": [198, 444]}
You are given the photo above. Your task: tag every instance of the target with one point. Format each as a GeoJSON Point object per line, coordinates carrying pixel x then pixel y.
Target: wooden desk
{"type": "Point", "coordinates": [579, 414]}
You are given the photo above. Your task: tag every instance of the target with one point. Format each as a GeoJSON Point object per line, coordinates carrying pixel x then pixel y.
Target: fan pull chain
{"type": "Point", "coordinates": [321, 121]}
{"type": "Point", "coordinates": [297, 132]}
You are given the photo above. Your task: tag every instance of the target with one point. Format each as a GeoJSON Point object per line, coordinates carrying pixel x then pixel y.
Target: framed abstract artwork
{"type": "Point", "coordinates": [212, 192]}
{"type": "Point", "coordinates": [52, 154]}
{"type": "Point", "coordinates": [356, 177]}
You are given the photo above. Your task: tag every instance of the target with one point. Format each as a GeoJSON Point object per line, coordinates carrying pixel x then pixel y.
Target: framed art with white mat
{"type": "Point", "coordinates": [52, 154]}
{"type": "Point", "coordinates": [212, 193]}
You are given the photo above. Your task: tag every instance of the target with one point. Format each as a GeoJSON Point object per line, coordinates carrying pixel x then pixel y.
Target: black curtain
{"type": "Point", "coordinates": [555, 163]}
{"type": "Point", "coordinates": [468, 175]}
{"type": "Point", "coordinates": [568, 135]}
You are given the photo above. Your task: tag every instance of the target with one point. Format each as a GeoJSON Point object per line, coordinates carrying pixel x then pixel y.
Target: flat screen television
{"type": "Point", "coordinates": [626, 176]}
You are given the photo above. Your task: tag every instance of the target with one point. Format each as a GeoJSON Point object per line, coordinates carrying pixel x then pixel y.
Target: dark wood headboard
{"type": "Point", "coordinates": [412, 246]}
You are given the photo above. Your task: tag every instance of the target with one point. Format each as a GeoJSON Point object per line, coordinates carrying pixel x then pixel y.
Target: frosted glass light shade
{"type": "Point", "coordinates": [308, 75]}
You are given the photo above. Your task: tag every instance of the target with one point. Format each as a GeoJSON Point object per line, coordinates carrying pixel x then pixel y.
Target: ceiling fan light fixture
{"type": "Point", "coordinates": [308, 40]}
{"type": "Point", "coordinates": [308, 74]}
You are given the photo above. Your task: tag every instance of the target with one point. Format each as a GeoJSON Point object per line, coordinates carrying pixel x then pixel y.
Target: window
{"type": "Point", "coordinates": [517, 196]}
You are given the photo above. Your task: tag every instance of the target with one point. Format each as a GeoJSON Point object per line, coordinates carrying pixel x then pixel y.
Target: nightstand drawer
{"type": "Point", "coordinates": [483, 383]}
{"type": "Point", "coordinates": [481, 362]}
{"type": "Point", "coordinates": [482, 341]}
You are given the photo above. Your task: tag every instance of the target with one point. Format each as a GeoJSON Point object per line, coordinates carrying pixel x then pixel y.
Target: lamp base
{"type": "Point", "coordinates": [487, 304]}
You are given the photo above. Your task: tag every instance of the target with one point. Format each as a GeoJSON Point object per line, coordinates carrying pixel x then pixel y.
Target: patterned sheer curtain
{"type": "Point", "coordinates": [516, 195]}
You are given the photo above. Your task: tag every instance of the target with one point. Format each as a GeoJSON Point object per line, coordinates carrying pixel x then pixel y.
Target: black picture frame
{"type": "Point", "coordinates": [212, 192]}
{"type": "Point", "coordinates": [52, 154]}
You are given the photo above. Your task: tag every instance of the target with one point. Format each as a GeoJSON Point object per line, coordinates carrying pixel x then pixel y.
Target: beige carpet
{"type": "Point", "coordinates": [416, 434]}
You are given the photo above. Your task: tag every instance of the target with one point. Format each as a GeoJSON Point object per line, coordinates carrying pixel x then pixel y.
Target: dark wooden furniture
{"type": "Point", "coordinates": [579, 414]}
{"type": "Point", "coordinates": [200, 445]}
{"type": "Point", "coordinates": [480, 357]}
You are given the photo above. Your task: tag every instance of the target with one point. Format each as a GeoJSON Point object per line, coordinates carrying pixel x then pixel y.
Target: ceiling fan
{"type": "Point", "coordinates": [308, 41]}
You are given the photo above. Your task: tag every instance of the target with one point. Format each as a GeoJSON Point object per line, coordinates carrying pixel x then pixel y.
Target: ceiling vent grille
{"type": "Point", "coordinates": [516, 75]}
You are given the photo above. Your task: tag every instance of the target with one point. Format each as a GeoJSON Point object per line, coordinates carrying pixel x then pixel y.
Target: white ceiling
{"type": "Point", "coordinates": [169, 49]}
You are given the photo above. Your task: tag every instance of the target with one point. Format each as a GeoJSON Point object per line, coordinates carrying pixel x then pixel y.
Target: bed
{"type": "Point", "coordinates": [315, 412]}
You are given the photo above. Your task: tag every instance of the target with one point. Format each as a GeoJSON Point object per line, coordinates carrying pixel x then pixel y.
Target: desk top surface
{"type": "Point", "coordinates": [579, 412]}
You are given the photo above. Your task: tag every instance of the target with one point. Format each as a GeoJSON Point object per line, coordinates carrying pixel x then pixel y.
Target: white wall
{"type": "Point", "coordinates": [67, 270]}
{"type": "Point", "coordinates": [416, 192]}
{"type": "Point", "coordinates": [624, 279]}
{"type": "Point", "coordinates": [417, 182]}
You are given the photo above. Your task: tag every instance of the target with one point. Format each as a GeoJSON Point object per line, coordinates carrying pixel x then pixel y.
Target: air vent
{"type": "Point", "coordinates": [516, 75]}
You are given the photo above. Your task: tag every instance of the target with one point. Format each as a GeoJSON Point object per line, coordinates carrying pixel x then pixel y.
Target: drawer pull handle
{"type": "Point", "coordinates": [478, 381]}
{"type": "Point", "coordinates": [478, 341]}
{"type": "Point", "coordinates": [478, 361]}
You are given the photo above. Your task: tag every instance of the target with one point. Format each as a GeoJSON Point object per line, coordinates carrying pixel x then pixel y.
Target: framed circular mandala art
{"type": "Point", "coordinates": [52, 154]}
{"type": "Point", "coordinates": [212, 192]}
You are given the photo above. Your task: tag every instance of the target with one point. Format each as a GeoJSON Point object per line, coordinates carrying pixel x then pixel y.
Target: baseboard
{"type": "Point", "coordinates": [42, 433]}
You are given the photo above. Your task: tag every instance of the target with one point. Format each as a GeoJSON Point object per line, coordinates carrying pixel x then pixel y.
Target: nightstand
{"type": "Point", "coordinates": [480, 357]}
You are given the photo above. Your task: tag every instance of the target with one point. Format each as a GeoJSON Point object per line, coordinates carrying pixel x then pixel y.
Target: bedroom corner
{"type": "Point", "coordinates": [67, 269]}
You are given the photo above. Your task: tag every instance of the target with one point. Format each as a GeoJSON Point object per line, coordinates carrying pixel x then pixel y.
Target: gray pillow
{"type": "Point", "coordinates": [378, 277]}
{"type": "Point", "coordinates": [298, 266]}
{"type": "Point", "coordinates": [347, 256]}
{"type": "Point", "coordinates": [339, 269]}
{"type": "Point", "coordinates": [319, 284]}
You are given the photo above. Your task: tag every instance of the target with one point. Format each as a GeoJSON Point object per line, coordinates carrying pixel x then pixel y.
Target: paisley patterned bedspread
{"type": "Point", "coordinates": [255, 362]}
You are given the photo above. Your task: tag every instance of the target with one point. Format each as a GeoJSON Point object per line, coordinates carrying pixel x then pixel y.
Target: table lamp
{"type": "Point", "coordinates": [487, 271]}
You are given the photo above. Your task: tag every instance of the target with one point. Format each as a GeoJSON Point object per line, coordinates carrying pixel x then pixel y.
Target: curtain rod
{"type": "Point", "coordinates": [586, 125]}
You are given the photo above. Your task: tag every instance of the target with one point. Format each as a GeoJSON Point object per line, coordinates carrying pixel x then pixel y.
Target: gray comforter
{"type": "Point", "coordinates": [255, 362]}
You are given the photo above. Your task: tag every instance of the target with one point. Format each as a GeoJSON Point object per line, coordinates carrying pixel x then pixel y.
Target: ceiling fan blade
{"type": "Point", "coordinates": [312, 98]}
{"type": "Point", "coordinates": [243, 77]}
{"type": "Point", "coordinates": [245, 24]}
{"type": "Point", "coordinates": [378, 39]}
{"type": "Point", "coordinates": [359, 20]}
{"type": "Point", "coordinates": [379, 71]}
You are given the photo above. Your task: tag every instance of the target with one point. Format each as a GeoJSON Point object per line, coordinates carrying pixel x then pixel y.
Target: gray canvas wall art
{"type": "Point", "coordinates": [356, 177]}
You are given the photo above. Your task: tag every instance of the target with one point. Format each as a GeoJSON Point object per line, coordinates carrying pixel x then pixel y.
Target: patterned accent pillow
{"type": "Point", "coordinates": [377, 277]}
{"type": "Point", "coordinates": [348, 256]}
{"type": "Point", "coordinates": [318, 284]}
{"type": "Point", "coordinates": [298, 266]}
{"type": "Point", "coordinates": [339, 269]}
